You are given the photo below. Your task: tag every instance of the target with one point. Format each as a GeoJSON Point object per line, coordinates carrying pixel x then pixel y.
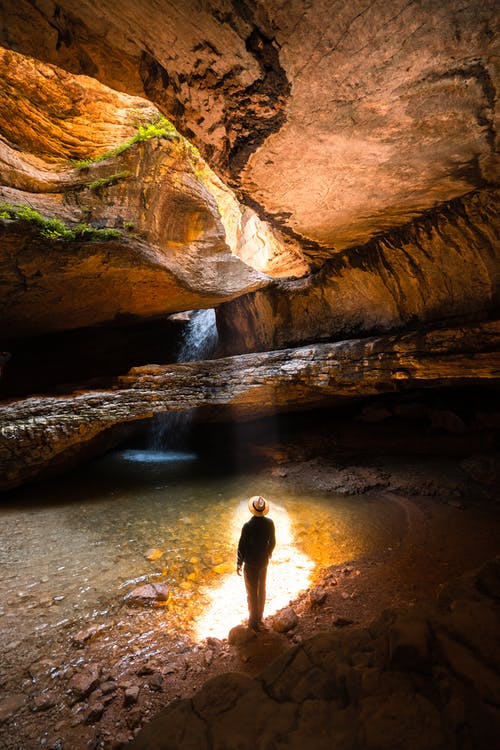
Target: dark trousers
{"type": "Point", "coordinates": [255, 583]}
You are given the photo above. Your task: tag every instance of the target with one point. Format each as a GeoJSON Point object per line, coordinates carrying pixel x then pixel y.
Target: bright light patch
{"type": "Point", "coordinates": [289, 573]}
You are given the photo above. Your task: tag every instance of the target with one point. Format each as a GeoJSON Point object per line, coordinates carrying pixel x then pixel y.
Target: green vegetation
{"type": "Point", "coordinates": [55, 229]}
{"type": "Point", "coordinates": [160, 128]}
{"type": "Point", "coordinates": [107, 181]}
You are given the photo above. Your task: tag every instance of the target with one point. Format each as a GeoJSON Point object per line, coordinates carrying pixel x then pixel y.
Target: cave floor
{"type": "Point", "coordinates": [446, 535]}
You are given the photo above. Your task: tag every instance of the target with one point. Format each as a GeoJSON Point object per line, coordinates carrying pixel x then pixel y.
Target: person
{"type": "Point", "coordinates": [255, 548]}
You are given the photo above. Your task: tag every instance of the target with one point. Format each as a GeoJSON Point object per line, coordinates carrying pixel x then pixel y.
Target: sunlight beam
{"type": "Point", "coordinates": [289, 573]}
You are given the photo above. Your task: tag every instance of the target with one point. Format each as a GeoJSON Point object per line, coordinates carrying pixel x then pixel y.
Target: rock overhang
{"type": "Point", "coordinates": [338, 121]}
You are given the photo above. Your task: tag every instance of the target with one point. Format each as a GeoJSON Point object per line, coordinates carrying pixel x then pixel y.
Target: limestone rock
{"type": "Point", "coordinates": [45, 432]}
{"type": "Point", "coordinates": [285, 620]}
{"type": "Point", "coordinates": [151, 592]}
{"type": "Point", "coordinates": [337, 122]}
{"type": "Point", "coordinates": [442, 266]}
{"type": "Point", "coordinates": [324, 693]}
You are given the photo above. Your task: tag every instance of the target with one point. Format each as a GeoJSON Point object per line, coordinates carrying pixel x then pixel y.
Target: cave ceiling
{"type": "Point", "coordinates": [335, 120]}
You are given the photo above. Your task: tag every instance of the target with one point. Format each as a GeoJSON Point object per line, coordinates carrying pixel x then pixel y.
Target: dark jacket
{"type": "Point", "coordinates": [257, 541]}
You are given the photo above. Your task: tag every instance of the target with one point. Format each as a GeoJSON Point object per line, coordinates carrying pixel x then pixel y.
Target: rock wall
{"type": "Point", "coordinates": [338, 120]}
{"type": "Point", "coordinates": [441, 268]}
{"type": "Point", "coordinates": [413, 679]}
{"type": "Point", "coordinates": [36, 433]}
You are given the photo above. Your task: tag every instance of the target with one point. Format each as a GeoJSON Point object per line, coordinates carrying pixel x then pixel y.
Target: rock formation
{"type": "Point", "coordinates": [42, 434]}
{"type": "Point", "coordinates": [413, 679]}
{"type": "Point", "coordinates": [439, 269]}
{"type": "Point", "coordinates": [179, 232]}
{"type": "Point", "coordinates": [340, 121]}
{"type": "Point", "coordinates": [326, 178]}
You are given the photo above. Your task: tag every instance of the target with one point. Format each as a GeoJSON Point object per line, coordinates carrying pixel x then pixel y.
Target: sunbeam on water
{"type": "Point", "coordinates": [289, 572]}
{"type": "Point", "coordinates": [74, 548]}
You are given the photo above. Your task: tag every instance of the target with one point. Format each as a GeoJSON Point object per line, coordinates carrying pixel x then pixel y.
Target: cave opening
{"type": "Point", "coordinates": [251, 250]}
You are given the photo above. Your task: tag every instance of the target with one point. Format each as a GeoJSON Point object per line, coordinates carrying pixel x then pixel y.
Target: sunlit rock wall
{"type": "Point", "coordinates": [443, 267]}
{"type": "Point", "coordinates": [339, 120]}
{"type": "Point", "coordinates": [184, 239]}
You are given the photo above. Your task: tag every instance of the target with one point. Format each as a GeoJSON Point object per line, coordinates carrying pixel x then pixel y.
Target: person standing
{"type": "Point", "coordinates": [255, 548]}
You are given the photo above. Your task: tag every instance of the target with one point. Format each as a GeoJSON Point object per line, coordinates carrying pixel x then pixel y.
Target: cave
{"type": "Point", "coordinates": [249, 249]}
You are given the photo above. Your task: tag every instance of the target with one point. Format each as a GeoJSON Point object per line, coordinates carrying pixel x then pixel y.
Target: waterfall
{"type": "Point", "coordinates": [198, 342]}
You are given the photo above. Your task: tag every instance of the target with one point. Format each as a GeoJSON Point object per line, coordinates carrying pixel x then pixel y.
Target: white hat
{"type": "Point", "coordinates": [258, 505]}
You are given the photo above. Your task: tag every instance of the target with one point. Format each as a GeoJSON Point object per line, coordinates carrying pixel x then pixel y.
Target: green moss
{"type": "Point", "coordinates": [160, 128]}
{"type": "Point", "coordinates": [107, 181]}
{"type": "Point", "coordinates": [53, 228]}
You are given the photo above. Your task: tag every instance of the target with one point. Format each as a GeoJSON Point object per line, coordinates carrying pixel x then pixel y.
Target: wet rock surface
{"type": "Point", "coordinates": [384, 631]}
{"type": "Point", "coordinates": [414, 678]}
{"type": "Point", "coordinates": [38, 434]}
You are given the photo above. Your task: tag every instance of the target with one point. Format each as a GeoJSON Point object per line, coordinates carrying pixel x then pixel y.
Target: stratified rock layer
{"type": "Point", "coordinates": [340, 120]}
{"type": "Point", "coordinates": [441, 268]}
{"type": "Point", "coordinates": [38, 434]}
{"type": "Point", "coordinates": [173, 253]}
{"type": "Point", "coordinates": [413, 679]}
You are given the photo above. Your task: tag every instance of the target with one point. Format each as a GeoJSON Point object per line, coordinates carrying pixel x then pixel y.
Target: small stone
{"type": "Point", "coordinates": [43, 702]}
{"type": "Point", "coordinates": [131, 695]}
{"type": "Point", "coordinates": [12, 645]}
{"type": "Point", "coordinates": [344, 595]}
{"type": "Point", "coordinates": [285, 620]}
{"type": "Point", "coordinates": [151, 592]}
{"type": "Point", "coordinates": [85, 636]}
{"type": "Point", "coordinates": [145, 669]}
{"type": "Point", "coordinates": [317, 596]}
{"type": "Point", "coordinates": [95, 713]}
{"type": "Point", "coordinates": [153, 554]}
{"type": "Point", "coordinates": [9, 706]}
{"type": "Point", "coordinates": [134, 718]}
{"type": "Point", "coordinates": [155, 682]}
{"type": "Point", "coordinates": [342, 622]}
{"type": "Point", "coordinates": [83, 683]}
{"type": "Point", "coordinates": [41, 668]}
{"type": "Point", "coordinates": [208, 658]}
{"type": "Point", "coordinates": [240, 635]}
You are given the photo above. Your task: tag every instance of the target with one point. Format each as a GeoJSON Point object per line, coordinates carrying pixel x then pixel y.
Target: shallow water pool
{"type": "Point", "coordinates": [71, 549]}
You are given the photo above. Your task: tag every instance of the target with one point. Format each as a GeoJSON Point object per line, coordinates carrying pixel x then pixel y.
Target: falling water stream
{"type": "Point", "coordinates": [73, 548]}
{"type": "Point", "coordinates": [198, 342]}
